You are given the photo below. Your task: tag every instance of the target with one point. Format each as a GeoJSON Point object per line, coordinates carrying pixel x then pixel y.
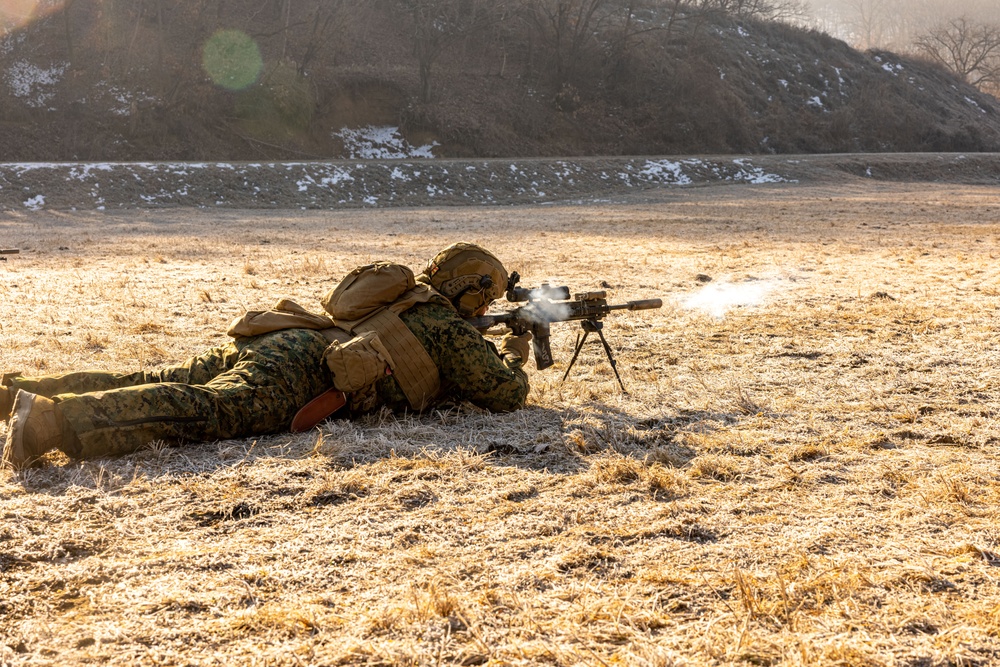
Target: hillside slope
{"type": "Point", "coordinates": [113, 81]}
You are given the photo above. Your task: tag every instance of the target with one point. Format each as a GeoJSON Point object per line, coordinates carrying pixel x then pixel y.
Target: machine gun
{"type": "Point", "coordinates": [547, 304]}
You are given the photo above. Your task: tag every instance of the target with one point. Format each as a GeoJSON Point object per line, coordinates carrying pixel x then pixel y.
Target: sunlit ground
{"type": "Point", "coordinates": [802, 472]}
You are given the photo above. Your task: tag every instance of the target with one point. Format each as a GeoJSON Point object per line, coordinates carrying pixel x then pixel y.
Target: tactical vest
{"type": "Point", "coordinates": [369, 299]}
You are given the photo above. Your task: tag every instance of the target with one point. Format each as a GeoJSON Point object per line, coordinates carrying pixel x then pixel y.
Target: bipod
{"type": "Point", "coordinates": [588, 327]}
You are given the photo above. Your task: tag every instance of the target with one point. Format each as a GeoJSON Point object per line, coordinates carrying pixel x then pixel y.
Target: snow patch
{"type": "Point", "coordinates": [975, 104]}
{"type": "Point", "coordinates": [380, 143]}
{"type": "Point", "coordinates": [748, 173]}
{"type": "Point", "coordinates": [332, 179]}
{"type": "Point", "coordinates": [123, 102]}
{"type": "Point", "coordinates": [892, 68]}
{"type": "Point", "coordinates": [35, 203]}
{"type": "Point", "coordinates": [665, 171]}
{"type": "Point", "coordinates": [11, 42]}
{"type": "Point", "coordinates": [81, 172]}
{"type": "Point", "coordinates": [32, 83]}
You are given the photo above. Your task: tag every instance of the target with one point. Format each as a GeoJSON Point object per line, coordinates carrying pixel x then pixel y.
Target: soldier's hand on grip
{"type": "Point", "coordinates": [518, 346]}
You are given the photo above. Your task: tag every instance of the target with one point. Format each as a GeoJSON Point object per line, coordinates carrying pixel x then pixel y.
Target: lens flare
{"type": "Point", "coordinates": [232, 59]}
{"type": "Point", "coordinates": [16, 14]}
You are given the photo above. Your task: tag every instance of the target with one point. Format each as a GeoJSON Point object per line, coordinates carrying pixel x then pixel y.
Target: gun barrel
{"type": "Point", "coordinates": [574, 310]}
{"type": "Point", "coordinates": [645, 304]}
{"type": "Point", "coordinates": [642, 304]}
{"type": "Point", "coordinates": [10, 251]}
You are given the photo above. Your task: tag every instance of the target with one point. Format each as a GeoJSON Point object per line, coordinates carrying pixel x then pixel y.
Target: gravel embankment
{"type": "Point", "coordinates": [338, 184]}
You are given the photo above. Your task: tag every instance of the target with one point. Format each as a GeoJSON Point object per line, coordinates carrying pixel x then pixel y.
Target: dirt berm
{"type": "Point", "coordinates": [445, 182]}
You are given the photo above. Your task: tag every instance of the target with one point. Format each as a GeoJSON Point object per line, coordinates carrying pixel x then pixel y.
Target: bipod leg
{"type": "Point", "coordinates": [611, 356]}
{"type": "Point", "coordinates": [580, 340]}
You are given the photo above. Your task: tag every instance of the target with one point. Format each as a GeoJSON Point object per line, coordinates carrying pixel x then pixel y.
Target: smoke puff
{"type": "Point", "coordinates": [717, 299]}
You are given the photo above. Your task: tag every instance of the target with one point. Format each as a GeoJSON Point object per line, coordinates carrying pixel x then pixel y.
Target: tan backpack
{"type": "Point", "coordinates": [367, 303]}
{"type": "Point", "coordinates": [367, 338]}
{"type": "Point", "coordinates": [366, 289]}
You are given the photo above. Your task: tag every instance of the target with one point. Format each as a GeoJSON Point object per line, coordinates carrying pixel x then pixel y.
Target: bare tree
{"type": "Point", "coordinates": [768, 10]}
{"type": "Point", "coordinates": [968, 48]}
{"type": "Point", "coordinates": [664, 12]}
{"type": "Point", "coordinates": [438, 24]}
{"type": "Point", "coordinates": [305, 28]}
{"type": "Point", "coordinates": [871, 22]}
{"type": "Point", "coordinates": [894, 24]}
{"type": "Point", "coordinates": [566, 29]}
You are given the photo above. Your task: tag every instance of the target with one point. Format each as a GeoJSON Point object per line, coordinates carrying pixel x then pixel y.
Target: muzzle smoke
{"type": "Point", "coordinates": [718, 298]}
{"type": "Point", "coordinates": [549, 311]}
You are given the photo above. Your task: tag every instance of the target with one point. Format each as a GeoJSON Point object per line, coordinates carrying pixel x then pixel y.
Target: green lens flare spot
{"type": "Point", "coordinates": [232, 59]}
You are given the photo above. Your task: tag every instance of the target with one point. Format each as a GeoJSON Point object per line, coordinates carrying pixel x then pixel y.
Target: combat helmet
{"type": "Point", "coordinates": [468, 275]}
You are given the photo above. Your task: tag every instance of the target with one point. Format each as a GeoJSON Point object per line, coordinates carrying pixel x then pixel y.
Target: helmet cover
{"type": "Point", "coordinates": [468, 275]}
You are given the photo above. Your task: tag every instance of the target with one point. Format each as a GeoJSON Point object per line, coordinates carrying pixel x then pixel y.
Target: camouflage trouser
{"type": "Point", "coordinates": [251, 386]}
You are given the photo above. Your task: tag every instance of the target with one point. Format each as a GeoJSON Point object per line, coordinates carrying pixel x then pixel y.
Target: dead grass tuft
{"type": "Point", "coordinates": [276, 622]}
{"type": "Point", "coordinates": [666, 484]}
{"type": "Point", "coordinates": [149, 328]}
{"type": "Point", "coordinates": [617, 470]}
{"type": "Point", "coordinates": [714, 466]}
{"type": "Point", "coordinates": [341, 491]}
{"type": "Point", "coordinates": [314, 266]}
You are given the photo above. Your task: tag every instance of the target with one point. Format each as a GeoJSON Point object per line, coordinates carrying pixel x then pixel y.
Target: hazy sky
{"type": "Point", "coordinates": [944, 7]}
{"type": "Point", "coordinates": [894, 23]}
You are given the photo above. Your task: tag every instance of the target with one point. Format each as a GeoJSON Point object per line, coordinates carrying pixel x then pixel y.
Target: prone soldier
{"type": "Point", "coordinates": [391, 340]}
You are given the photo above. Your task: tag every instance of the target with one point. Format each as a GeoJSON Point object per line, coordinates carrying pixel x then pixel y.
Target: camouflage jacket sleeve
{"type": "Point", "coordinates": [471, 367]}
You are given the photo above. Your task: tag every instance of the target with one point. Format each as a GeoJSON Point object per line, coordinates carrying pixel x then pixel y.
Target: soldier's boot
{"type": "Point", "coordinates": [36, 426]}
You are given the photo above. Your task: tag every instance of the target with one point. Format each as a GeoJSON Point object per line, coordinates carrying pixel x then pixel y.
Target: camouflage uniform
{"type": "Point", "coordinates": [254, 386]}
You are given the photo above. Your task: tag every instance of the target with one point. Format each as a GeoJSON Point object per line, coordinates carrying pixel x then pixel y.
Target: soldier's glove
{"type": "Point", "coordinates": [516, 346]}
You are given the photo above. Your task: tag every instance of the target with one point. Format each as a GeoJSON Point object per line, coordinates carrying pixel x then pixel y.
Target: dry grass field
{"type": "Point", "coordinates": [804, 470]}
